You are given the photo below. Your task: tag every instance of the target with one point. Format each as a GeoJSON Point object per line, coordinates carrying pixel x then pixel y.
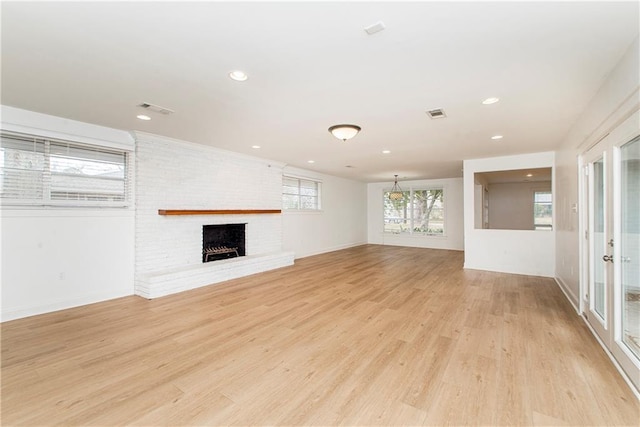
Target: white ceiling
{"type": "Point", "coordinates": [311, 65]}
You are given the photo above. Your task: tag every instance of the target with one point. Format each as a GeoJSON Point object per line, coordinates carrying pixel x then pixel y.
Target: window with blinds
{"type": "Point", "coordinates": [41, 171]}
{"type": "Point", "coordinates": [300, 194]}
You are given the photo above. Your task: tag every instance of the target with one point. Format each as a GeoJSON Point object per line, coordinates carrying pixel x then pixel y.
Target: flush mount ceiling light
{"type": "Point", "coordinates": [238, 75]}
{"type": "Point", "coordinates": [396, 192]}
{"type": "Point", "coordinates": [490, 101]}
{"type": "Point", "coordinates": [255, 147]}
{"type": "Point", "coordinates": [344, 132]}
{"type": "Point", "coordinates": [386, 151]}
{"type": "Point", "coordinates": [496, 137]}
{"type": "Point", "coordinates": [311, 161]}
{"type": "Point", "coordinates": [143, 117]}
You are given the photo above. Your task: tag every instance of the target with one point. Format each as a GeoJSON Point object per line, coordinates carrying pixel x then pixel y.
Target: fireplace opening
{"type": "Point", "coordinates": [223, 241]}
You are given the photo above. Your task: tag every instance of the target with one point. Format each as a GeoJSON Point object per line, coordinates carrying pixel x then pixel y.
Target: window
{"type": "Point", "coordinates": [420, 211]}
{"type": "Point", "coordinates": [40, 171]}
{"type": "Point", "coordinates": [300, 193]}
{"type": "Point", "coordinates": [542, 210]}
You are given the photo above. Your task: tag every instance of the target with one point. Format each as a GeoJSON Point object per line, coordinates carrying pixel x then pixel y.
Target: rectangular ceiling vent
{"type": "Point", "coordinates": [375, 28]}
{"type": "Point", "coordinates": [156, 108]}
{"type": "Point", "coordinates": [438, 113]}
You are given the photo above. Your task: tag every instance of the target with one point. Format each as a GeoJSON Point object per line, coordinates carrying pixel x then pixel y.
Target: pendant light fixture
{"type": "Point", "coordinates": [344, 132]}
{"type": "Point", "coordinates": [396, 192]}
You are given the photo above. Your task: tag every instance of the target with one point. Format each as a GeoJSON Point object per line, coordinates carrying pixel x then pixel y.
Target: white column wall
{"type": "Point", "coordinates": [529, 252]}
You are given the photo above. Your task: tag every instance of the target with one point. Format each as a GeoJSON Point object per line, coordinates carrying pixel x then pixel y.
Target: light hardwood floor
{"type": "Point", "coordinates": [373, 335]}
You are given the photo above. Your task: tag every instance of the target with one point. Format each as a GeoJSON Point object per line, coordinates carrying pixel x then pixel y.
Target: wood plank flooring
{"type": "Point", "coordinates": [373, 335]}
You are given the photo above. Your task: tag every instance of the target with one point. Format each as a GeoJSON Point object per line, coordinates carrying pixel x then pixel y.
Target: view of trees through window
{"type": "Point", "coordinates": [418, 211]}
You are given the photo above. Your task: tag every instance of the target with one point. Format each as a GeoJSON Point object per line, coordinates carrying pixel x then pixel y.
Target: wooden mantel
{"type": "Point", "coordinates": [217, 212]}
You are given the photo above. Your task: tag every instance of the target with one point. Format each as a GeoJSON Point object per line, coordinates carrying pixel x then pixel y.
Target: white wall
{"type": "Point", "coordinates": [173, 174]}
{"type": "Point", "coordinates": [511, 204]}
{"type": "Point", "coordinates": [510, 251]}
{"type": "Point", "coordinates": [454, 226]}
{"type": "Point", "coordinates": [57, 259]}
{"type": "Point", "coordinates": [340, 224]}
{"type": "Point", "coordinates": [616, 100]}
{"type": "Point", "coordinates": [54, 258]}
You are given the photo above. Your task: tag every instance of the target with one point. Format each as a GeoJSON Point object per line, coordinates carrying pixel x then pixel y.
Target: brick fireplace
{"type": "Point", "coordinates": [192, 178]}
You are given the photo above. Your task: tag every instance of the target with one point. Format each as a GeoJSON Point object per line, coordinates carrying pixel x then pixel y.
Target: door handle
{"type": "Point", "coordinates": [608, 258]}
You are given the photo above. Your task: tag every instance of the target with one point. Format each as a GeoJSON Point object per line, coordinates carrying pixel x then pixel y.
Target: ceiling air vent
{"type": "Point", "coordinates": [155, 108]}
{"type": "Point", "coordinates": [438, 113]}
{"type": "Point", "coordinates": [374, 28]}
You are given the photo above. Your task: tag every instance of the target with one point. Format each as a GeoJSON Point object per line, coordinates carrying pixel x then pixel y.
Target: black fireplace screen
{"type": "Point", "coordinates": [223, 241]}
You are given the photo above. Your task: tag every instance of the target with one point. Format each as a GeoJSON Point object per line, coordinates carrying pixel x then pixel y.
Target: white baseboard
{"type": "Point", "coordinates": [568, 293]}
{"type": "Point", "coordinates": [331, 249]}
{"type": "Point", "coordinates": [61, 304]}
{"type": "Point", "coordinates": [573, 300]}
{"type": "Point", "coordinates": [635, 391]}
{"type": "Point", "coordinates": [468, 266]}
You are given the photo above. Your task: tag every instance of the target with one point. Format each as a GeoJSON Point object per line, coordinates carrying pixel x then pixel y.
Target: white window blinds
{"type": "Point", "coordinates": [23, 168]}
{"type": "Point", "coordinates": [300, 194]}
{"type": "Point", "coordinates": [39, 171]}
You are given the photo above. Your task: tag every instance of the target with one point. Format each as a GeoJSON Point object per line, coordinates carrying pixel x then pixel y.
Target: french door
{"type": "Point", "coordinates": [611, 196]}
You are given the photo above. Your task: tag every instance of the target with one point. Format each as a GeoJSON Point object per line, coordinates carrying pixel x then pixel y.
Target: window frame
{"type": "Point", "coordinates": [410, 231]}
{"type": "Point", "coordinates": [538, 226]}
{"type": "Point", "coordinates": [298, 195]}
{"type": "Point", "coordinates": [52, 182]}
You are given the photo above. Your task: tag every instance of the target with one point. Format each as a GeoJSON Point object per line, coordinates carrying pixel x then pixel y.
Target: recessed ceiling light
{"type": "Point", "coordinates": [497, 137]}
{"type": "Point", "coordinates": [255, 146]}
{"type": "Point", "coordinates": [143, 117]}
{"type": "Point", "coordinates": [311, 161]}
{"type": "Point", "coordinates": [529, 175]}
{"type": "Point", "coordinates": [386, 151]}
{"type": "Point", "coordinates": [238, 75]}
{"type": "Point", "coordinates": [490, 101]}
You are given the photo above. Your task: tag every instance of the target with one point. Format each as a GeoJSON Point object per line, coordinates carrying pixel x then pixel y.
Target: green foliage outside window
{"type": "Point", "coordinates": [417, 212]}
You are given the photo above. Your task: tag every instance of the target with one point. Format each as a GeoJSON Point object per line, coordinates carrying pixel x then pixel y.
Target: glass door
{"type": "Point", "coordinates": [626, 346]}
{"type": "Point", "coordinates": [611, 200]}
{"type": "Point", "coordinates": [598, 238]}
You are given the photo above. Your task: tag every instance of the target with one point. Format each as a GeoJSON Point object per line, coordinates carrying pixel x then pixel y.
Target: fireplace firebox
{"type": "Point", "coordinates": [223, 241]}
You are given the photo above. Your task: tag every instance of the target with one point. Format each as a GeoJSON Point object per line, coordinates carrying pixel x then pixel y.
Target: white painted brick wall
{"type": "Point", "coordinates": [173, 174]}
